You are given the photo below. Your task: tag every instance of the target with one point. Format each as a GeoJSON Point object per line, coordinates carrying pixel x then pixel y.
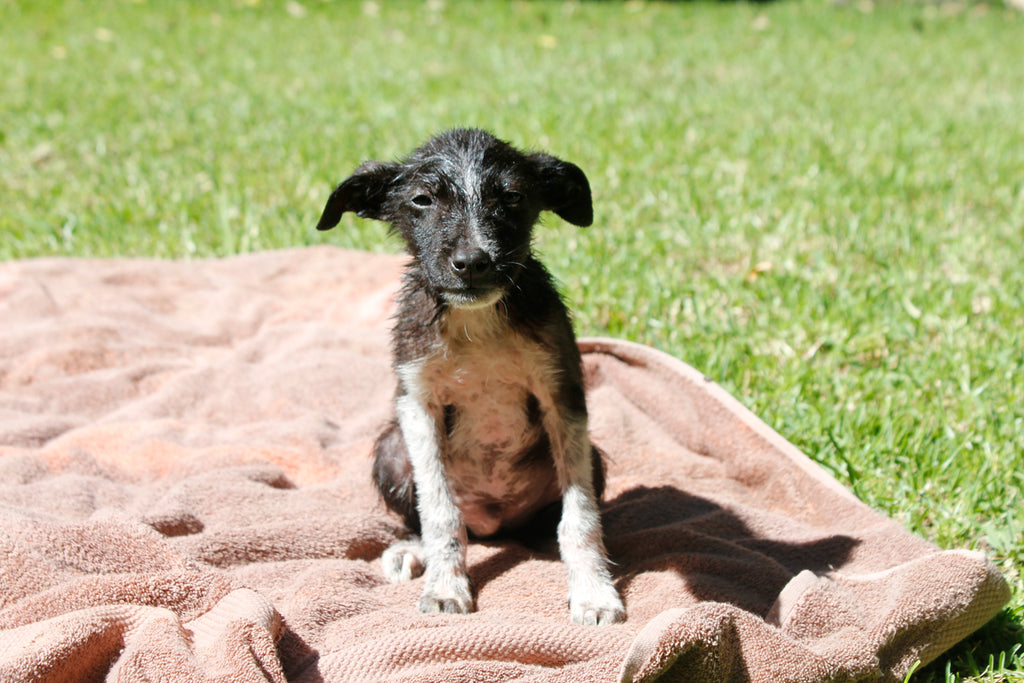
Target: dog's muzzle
{"type": "Point", "coordinates": [471, 264]}
{"type": "Point", "coordinates": [473, 279]}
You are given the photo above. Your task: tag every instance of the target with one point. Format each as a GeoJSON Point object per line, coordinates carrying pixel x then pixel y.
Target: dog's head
{"type": "Point", "coordinates": [465, 203]}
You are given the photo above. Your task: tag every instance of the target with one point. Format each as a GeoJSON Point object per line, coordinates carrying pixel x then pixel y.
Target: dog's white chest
{"type": "Point", "coordinates": [486, 394]}
{"type": "Point", "coordinates": [489, 392]}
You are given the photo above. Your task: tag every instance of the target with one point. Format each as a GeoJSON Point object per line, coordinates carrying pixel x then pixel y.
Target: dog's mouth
{"type": "Point", "coordinates": [473, 297]}
{"type": "Point", "coordinates": [478, 290]}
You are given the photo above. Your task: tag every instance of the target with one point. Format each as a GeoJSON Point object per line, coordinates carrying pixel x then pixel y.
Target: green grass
{"type": "Point", "coordinates": [821, 206]}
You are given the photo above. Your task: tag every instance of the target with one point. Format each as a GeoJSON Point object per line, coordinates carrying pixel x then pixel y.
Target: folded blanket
{"type": "Point", "coordinates": [185, 496]}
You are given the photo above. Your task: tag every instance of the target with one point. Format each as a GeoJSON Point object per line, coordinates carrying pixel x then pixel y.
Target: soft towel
{"type": "Point", "coordinates": [185, 496]}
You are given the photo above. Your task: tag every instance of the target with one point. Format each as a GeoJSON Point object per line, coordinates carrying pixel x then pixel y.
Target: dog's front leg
{"type": "Point", "coordinates": [443, 533]}
{"type": "Point", "coordinates": [593, 598]}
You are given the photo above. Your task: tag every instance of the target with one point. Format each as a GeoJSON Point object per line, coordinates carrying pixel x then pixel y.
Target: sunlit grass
{"type": "Point", "coordinates": [818, 205]}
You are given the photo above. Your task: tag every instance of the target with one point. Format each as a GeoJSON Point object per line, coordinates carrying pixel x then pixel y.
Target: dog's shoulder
{"type": "Point", "coordinates": [416, 330]}
{"type": "Point", "coordinates": [535, 301]}
{"type": "Point", "coordinates": [536, 309]}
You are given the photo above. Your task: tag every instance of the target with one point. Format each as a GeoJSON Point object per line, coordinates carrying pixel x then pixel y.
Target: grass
{"type": "Point", "coordinates": [819, 205]}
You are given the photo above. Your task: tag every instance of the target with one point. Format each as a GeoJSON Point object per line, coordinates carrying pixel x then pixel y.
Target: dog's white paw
{"type": "Point", "coordinates": [598, 605]}
{"type": "Point", "coordinates": [449, 592]}
{"type": "Point", "coordinates": [403, 561]}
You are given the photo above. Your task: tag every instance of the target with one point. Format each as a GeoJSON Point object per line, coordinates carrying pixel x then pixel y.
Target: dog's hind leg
{"type": "Point", "coordinates": [392, 475]}
{"type": "Point", "coordinates": [403, 561]}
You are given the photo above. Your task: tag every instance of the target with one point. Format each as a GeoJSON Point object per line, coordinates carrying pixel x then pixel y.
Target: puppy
{"type": "Point", "coordinates": [491, 425]}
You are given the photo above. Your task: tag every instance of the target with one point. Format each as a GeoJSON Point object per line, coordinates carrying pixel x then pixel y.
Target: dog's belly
{"type": "Point", "coordinates": [502, 504]}
{"type": "Point", "coordinates": [497, 454]}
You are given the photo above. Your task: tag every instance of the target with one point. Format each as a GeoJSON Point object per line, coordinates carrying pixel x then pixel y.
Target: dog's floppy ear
{"type": "Point", "coordinates": [364, 192]}
{"type": "Point", "coordinates": [564, 189]}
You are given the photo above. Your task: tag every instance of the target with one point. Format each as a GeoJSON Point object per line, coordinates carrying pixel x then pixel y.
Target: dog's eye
{"type": "Point", "coordinates": [422, 200]}
{"type": "Point", "coordinates": [513, 198]}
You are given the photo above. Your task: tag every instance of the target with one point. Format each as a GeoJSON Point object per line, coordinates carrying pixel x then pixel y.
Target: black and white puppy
{"type": "Point", "coordinates": [491, 424]}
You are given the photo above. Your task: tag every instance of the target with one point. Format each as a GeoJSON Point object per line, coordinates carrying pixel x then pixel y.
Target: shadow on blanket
{"type": "Point", "coordinates": [652, 529]}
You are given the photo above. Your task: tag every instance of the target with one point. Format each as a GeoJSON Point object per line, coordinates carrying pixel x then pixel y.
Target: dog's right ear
{"type": "Point", "coordinates": [365, 192]}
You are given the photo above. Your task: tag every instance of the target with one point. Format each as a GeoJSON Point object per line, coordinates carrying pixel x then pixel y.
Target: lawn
{"type": "Point", "coordinates": [820, 205]}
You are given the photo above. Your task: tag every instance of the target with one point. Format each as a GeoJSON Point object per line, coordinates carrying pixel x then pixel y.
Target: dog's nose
{"type": "Point", "coordinates": [470, 262]}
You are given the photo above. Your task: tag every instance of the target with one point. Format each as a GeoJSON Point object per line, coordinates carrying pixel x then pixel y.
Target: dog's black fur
{"type": "Point", "coordinates": [465, 203]}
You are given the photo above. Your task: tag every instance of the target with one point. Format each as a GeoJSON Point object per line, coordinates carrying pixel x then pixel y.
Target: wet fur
{"type": "Point", "coordinates": [490, 432]}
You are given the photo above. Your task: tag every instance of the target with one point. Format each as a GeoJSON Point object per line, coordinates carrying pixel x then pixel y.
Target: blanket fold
{"type": "Point", "coordinates": [185, 496]}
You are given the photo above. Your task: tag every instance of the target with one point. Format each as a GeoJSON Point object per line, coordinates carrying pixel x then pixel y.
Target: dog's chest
{"type": "Point", "coordinates": [491, 389]}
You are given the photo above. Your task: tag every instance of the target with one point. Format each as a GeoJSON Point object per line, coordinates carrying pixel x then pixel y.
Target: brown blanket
{"type": "Point", "coordinates": [184, 496]}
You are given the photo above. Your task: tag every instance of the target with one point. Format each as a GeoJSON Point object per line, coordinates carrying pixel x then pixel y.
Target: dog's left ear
{"type": "Point", "coordinates": [365, 192]}
{"type": "Point", "coordinates": [564, 189]}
